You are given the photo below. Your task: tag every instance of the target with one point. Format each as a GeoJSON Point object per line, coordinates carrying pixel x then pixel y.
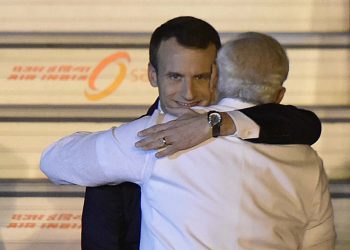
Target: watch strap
{"type": "Point", "coordinates": [215, 127]}
{"type": "Point", "coordinates": [216, 130]}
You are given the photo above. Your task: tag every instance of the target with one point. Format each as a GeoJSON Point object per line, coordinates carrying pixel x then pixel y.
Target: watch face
{"type": "Point", "coordinates": [214, 118]}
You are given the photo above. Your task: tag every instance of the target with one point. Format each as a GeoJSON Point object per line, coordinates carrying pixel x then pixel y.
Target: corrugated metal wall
{"type": "Point", "coordinates": [50, 50]}
{"type": "Point", "coordinates": [53, 54]}
{"type": "Point", "coordinates": [144, 15]}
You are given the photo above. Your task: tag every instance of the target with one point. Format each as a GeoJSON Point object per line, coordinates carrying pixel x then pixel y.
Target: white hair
{"type": "Point", "coordinates": [252, 68]}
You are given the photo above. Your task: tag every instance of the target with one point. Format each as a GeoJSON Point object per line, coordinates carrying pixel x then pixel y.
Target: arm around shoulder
{"type": "Point", "coordinates": [99, 158]}
{"type": "Point", "coordinates": [284, 124]}
{"type": "Point", "coordinates": [73, 160]}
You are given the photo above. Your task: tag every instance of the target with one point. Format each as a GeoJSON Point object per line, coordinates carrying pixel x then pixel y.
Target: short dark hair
{"type": "Point", "coordinates": [189, 32]}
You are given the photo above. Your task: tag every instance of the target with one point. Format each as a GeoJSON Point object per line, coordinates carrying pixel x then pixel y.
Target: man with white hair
{"type": "Point", "coordinates": [224, 193]}
{"type": "Point", "coordinates": [252, 68]}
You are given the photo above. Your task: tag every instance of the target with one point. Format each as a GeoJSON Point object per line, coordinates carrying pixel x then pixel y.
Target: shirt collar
{"type": "Point", "coordinates": [235, 103]}
{"type": "Point", "coordinates": [160, 108]}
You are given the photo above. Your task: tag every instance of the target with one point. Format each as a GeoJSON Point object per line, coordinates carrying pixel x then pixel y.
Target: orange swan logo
{"type": "Point", "coordinates": [94, 94]}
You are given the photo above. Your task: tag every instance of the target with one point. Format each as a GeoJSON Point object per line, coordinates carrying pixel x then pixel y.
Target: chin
{"type": "Point", "coordinates": [178, 111]}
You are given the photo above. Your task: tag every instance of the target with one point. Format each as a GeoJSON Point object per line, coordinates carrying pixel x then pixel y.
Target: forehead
{"type": "Point", "coordinates": [174, 57]}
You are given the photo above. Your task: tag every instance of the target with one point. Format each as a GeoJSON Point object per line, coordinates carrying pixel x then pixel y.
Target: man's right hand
{"type": "Point", "coordinates": [183, 133]}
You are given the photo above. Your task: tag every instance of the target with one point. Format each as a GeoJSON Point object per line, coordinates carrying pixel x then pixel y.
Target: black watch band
{"type": "Point", "coordinates": [216, 130]}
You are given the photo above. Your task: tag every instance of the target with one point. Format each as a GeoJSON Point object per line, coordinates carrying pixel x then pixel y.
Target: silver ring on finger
{"type": "Point", "coordinates": [164, 142]}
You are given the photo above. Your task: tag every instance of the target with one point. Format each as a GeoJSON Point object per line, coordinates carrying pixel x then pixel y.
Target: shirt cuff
{"type": "Point", "coordinates": [246, 128]}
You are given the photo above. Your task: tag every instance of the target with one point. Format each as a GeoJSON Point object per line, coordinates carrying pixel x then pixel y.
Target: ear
{"type": "Point", "coordinates": [152, 75]}
{"type": "Point", "coordinates": [280, 94]}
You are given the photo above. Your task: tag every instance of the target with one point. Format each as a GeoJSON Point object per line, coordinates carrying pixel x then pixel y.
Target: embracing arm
{"type": "Point", "coordinates": [279, 124]}
{"type": "Point", "coordinates": [284, 124]}
{"type": "Point", "coordinates": [74, 160]}
{"type": "Point", "coordinates": [91, 159]}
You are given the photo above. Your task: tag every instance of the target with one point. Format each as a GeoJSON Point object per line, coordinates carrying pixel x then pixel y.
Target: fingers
{"type": "Point", "coordinates": [160, 143]}
{"type": "Point", "coordinates": [181, 121]}
{"type": "Point", "coordinates": [152, 142]}
{"type": "Point", "coordinates": [147, 144]}
{"type": "Point", "coordinates": [179, 134]}
{"type": "Point", "coordinates": [150, 130]}
{"type": "Point", "coordinates": [166, 152]}
{"type": "Point", "coordinates": [154, 129]}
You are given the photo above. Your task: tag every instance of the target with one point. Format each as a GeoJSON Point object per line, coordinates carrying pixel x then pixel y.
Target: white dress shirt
{"type": "Point", "coordinates": [222, 194]}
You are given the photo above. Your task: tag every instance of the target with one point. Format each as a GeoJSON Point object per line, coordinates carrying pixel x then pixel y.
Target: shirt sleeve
{"type": "Point", "coordinates": [284, 124]}
{"type": "Point", "coordinates": [92, 159]}
{"type": "Point", "coordinates": [246, 128]}
{"type": "Point", "coordinates": [320, 232]}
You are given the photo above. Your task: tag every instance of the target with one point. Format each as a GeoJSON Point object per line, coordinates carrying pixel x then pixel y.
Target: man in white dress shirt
{"type": "Point", "coordinates": [224, 193]}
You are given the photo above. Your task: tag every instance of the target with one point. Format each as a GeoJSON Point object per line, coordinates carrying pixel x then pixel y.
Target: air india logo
{"type": "Point", "coordinates": [98, 82]}
{"type": "Point", "coordinates": [94, 92]}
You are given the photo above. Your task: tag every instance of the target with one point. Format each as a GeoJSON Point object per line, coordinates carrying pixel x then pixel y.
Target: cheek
{"type": "Point", "coordinates": [205, 95]}
{"type": "Point", "coordinates": [170, 89]}
{"type": "Point", "coordinates": [203, 91]}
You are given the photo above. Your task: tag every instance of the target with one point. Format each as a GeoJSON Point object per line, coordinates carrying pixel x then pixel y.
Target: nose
{"type": "Point", "coordinates": [188, 92]}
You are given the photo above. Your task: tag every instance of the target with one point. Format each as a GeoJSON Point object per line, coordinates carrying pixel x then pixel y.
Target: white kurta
{"type": "Point", "coordinates": [222, 194]}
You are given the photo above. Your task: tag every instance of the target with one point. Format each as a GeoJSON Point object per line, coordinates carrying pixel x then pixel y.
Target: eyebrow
{"type": "Point", "coordinates": [203, 74]}
{"type": "Point", "coordinates": [171, 73]}
{"type": "Point", "coordinates": [177, 73]}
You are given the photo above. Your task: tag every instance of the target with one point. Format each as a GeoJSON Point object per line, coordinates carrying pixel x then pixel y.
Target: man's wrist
{"type": "Point", "coordinates": [215, 120]}
{"type": "Point", "coordinates": [246, 128]}
{"type": "Point", "coordinates": [228, 126]}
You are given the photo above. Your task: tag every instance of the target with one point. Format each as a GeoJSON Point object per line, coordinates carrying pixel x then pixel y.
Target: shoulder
{"type": "Point", "coordinates": [301, 161]}
{"type": "Point", "coordinates": [132, 127]}
{"type": "Point", "coordinates": [128, 131]}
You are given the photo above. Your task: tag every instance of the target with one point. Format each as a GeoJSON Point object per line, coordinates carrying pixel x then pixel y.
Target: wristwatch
{"type": "Point", "coordinates": [214, 120]}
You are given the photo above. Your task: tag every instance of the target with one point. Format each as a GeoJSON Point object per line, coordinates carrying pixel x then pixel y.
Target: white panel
{"type": "Point", "coordinates": [40, 223]}
{"type": "Point", "coordinates": [334, 147]}
{"type": "Point", "coordinates": [145, 16]}
{"type": "Point", "coordinates": [62, 76]}
{"type": "Point", "coordinates": [317, 77]}
{"type": "Point", "coordinates": [22, 144]}
{"type": "Point", "coordinates": [34, 212]}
